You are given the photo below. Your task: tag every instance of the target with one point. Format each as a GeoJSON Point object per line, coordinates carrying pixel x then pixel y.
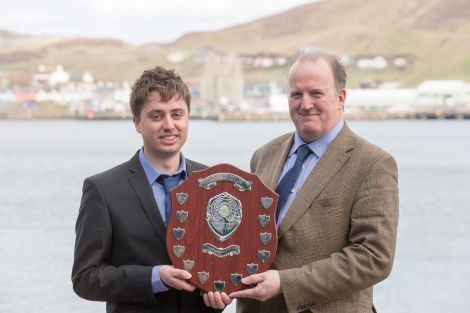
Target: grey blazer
{"type": "Point", "coordinates": [120, 236]}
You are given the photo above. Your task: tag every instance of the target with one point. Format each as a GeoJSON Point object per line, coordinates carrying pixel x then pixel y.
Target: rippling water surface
{"type": "Point", "coordinates": [43, 164]}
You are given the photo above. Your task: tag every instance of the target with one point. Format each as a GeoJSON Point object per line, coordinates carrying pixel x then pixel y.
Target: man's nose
{"type": "Point", "coordinates": [307, 101]}
{"type": "Point", "coordinates": [168, 122]}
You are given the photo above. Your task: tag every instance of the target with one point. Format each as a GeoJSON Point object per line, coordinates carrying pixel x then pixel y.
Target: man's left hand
{"type": "Point", "coordinates": [267, 285]}
{"type": "Point", "coordinates": [216, 300]}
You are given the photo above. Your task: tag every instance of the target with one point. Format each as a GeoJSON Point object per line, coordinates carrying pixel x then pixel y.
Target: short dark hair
{"type": "Point", "coordinates": [167, 83]}
{"type": "Point", "coordinates": [313, 53]}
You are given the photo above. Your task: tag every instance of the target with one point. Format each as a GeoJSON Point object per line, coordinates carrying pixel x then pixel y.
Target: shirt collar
{"type": "Point", "coordinates": [318, 146]}
{"type": "Point", "coordinates": [152, 173]}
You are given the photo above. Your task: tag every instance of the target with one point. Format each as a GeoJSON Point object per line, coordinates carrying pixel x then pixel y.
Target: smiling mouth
{"type": "Point", "coordinates": [169, 137]}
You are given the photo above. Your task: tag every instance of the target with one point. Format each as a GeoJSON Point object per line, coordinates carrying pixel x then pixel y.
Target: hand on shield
{"type": "Point", "coordinates": [176, 278]}
{"type": "Point", "coordinates": [266, 286]}
{"type": "Point", "coordinates": [216, 300]}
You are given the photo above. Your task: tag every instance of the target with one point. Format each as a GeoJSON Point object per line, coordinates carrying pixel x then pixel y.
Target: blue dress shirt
{"type": "Point", "coordinates": [159, 194]}
{"type": "Point", "coordinates": [318, 147]}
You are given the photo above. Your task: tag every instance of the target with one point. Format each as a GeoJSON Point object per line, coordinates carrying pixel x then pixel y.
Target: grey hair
{"type": "Point", "coordinates": [310, 53]}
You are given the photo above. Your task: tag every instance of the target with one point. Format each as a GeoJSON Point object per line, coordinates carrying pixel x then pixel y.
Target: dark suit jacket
{"type": "Point", "coordinates": [120, 236]}
{"type": "Point", "coordinates": [338, 237]}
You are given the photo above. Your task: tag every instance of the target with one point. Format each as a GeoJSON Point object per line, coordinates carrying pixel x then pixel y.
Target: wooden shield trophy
{"type": "Point", "coordinates": [222, 227]}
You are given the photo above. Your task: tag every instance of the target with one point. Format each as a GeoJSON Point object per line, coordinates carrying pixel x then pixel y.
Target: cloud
{"type": "Point", "coordinates": [135, 21]}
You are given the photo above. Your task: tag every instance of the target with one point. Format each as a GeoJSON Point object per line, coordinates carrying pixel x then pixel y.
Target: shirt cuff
{"type": "Point", "coordinates": [157, 284]}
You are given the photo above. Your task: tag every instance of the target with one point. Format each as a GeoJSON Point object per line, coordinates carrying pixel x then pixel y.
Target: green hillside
{"type": "Point", "coordinates": [432, 34]}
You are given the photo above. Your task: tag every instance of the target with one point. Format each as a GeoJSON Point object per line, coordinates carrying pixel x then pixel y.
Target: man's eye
{"type": "Point", "coordinates": [180, 114]}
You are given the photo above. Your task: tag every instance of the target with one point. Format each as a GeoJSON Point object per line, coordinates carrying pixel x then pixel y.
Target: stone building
{"type": "Point", "coordinates": [222, 81]}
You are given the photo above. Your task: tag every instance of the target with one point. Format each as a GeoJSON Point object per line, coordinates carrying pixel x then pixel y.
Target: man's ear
{"type": "Point", "coordinates": [342, 99]}
{"type": "Point", "coordinates": [136, 121]}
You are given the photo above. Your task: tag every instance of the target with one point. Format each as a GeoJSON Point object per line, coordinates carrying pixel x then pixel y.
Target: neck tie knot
{"type": "Point", "coordinates": [168, 182]}
{"type": "Point", "coordinates": [302, 153]}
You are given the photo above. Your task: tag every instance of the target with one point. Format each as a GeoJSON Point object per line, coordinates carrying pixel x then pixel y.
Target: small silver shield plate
{"type": "Point", "coordinates": [181, 216]}
{"type": "Point", "coordinates": [178, 233]}
{"type": "Point", "coordinates": [178, 250]}
{"type": "Point", "coordinates": [203, 277]}
{"type": "Point", "coordinates": [266, 202]}
{"type": "Point", "coordinates": [236, 278]}
{"type": "Point", "coordinates": [265, 238]}
{"type": "Point", "coordinates": [188, 265]}
{"type": "Point", "coordinates": [181, 197]}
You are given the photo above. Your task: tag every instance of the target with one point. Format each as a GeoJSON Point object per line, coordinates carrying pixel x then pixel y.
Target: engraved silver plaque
{"type": "Point", "coordinates": [252, 268]}
{"type": "Point", "coordinates": [264, 219]}
{"type": "Point", "coordinates": [266, 202]}
{"type": "Point", "coordinates": [178, 250]}
{"type": "Point", "coordinates": [203, 277]}
{"type": "Point", "coordinates": [181, 216]}
{"type": "Point", "coordinates": [222, 227]}
{"type": "Point", "coordinates": [178, 233]}
{"type": "Point", "coordinates": [220, 252]}
{"type": "Point", "coordinates": [236, 278]}
{"type": "Point", "coordinates": [263, 255]}
{"type": "Point", "coordinates": [238, 182]}
{"type": "Point", "coordinates": [181, 197]}
{"type": "Point", "coordinates": [188, 265]}
{"type": "Point", "coordinates": [219, 285]}
{"type": "Point", "coordinates": [223, 215]}
{"type": "Point", "coordinates": [265, 238]}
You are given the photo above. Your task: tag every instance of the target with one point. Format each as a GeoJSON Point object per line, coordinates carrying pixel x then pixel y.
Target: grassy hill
{"type": "Point", "coordinates": [434, 34]}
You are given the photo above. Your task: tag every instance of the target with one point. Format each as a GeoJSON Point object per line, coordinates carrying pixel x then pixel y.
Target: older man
{"type": "Point", "coordinates": [338, 207]}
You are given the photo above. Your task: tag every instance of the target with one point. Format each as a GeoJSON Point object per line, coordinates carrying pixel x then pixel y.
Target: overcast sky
{"type": "Point", "coordinates": [134, 21]}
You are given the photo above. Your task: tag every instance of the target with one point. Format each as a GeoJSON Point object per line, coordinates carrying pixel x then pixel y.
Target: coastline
{"type": "Point", "coordinates": [239, 116]}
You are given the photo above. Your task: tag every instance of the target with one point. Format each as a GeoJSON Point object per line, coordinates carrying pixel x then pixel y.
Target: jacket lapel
{"type": "Point", "coordinates": [279, 155]}
{"type": "Point", "coordinates": [326, 168]}
{"type": "Point", "coordinates": [144, 192]}
{"type": "Point", "coordinates": [139, 183]}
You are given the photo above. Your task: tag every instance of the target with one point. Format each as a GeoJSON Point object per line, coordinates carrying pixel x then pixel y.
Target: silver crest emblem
{"type": "Point", "coordinates": [219, 285]}
{"type": "Point", "coordinates": [178, 233]}
{"type": "Point", "coordinates": [266, 202]}
{"type": "Point", "coordinates": [263, 255]}
{"type": "Point", "coordinates": [181, 197]}
{"type": "Point", "coordinates": [236, 278]}
{"type": "Point", "coordinates": [265, 238]}
{"type": "Point", "coordinates": [223, 215]}
{"type": "Point", "coordinates": [252, 268]}
{"type": "Point", "coordinates": [203, 277]}
{"type": "Point", "coordinates": [188, 265]}
{"type": "Point", "coordinates": [178, 250]}
{"type": "Point", "coordinates": [264, 219]}
{"type": "Point", "coordinates": [182, 216]}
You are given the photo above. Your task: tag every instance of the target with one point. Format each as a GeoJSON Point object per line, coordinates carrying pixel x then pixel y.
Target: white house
{"type": "Point", "coordinates": [435, 93]}
{"type": "Point", "coordinates": [391, 100]}
{"type": "Point", "coordinates": [377, 62]}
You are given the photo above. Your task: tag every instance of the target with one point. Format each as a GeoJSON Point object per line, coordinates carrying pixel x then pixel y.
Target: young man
{"type": "Point", "coordinates": [120, 254]}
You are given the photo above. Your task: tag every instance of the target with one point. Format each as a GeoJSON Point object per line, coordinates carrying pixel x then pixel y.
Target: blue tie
{"type": "Point", "coordinates": [168, 183]}
{"type": "Point", "coordinates": [286, 183]}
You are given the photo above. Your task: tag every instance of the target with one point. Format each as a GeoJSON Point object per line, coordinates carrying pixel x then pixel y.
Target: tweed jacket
{"type": "Point", "coordinates": [338, 237]}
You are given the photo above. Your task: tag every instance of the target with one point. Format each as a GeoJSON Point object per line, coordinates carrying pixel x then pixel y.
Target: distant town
{"type": "Point", "coordinates": [223, 94]}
